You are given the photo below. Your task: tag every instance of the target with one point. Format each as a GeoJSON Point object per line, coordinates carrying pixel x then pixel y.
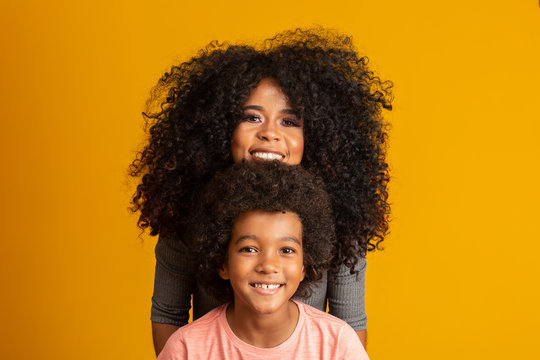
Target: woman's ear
{"type": "Point", "coordinates": [223, 272]}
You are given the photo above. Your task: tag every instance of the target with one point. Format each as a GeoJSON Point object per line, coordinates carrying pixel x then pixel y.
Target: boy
{"type": "Point", "coordinates": [262, 233]}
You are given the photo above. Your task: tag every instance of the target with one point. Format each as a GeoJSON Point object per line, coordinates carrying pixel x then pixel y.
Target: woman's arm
{"type": "Point", "coordinates": [173, 286]}
{"type": "Point", "coordinates": [362, 335]}
{"type": "Point", "coordinates": [346, 295]}
{"type": "Point", "coordinates": [161, 333]}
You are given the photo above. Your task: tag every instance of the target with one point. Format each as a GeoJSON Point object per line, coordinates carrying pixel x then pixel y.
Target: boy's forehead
{"type": "Point", "coordinates": [279, 224]}
{"type": "Point", "coordinates": [262, 215]}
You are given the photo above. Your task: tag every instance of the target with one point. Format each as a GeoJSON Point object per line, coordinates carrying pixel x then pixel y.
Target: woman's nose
{"type": "Point", "coordinates": [269, 132]}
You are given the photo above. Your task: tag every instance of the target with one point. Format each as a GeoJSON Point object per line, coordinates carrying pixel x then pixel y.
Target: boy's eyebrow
{"type": "Point", "coordinates": [260, 108]}
{"type": "Point", "coordinates": [253, 237]}
{"type": "Point", "coordinates": [244, 237]}
{"type": "Point", "coordinates": [293, 239]}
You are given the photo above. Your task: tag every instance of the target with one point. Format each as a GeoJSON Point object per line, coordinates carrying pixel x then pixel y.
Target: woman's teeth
{"type": "Point", "coordinates": [267, 286]}
{"type": "Point", "coordinates": [268, 156]}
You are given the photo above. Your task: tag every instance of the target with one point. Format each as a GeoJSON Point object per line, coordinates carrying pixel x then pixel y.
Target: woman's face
{"type": "Point", "coordinates": [270, 129]}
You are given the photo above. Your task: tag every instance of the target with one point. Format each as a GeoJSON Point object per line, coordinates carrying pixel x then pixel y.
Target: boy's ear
{"type": "Point", "coordinates": [223, 272]}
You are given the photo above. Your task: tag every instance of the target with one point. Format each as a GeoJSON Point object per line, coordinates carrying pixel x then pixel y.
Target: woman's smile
{"type": "Point", "coordinates": [270, 129]}
{"type": "Point", "coordinates": [266, 154]}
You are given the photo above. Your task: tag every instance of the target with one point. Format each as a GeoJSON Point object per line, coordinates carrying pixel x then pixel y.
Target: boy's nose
{"type": "Point", "coordinates": [268, 264]}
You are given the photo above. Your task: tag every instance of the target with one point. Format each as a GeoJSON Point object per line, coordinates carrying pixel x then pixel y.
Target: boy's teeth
{"type": "Point", "coordinates": [267, 286]}
{"type": "Point", "coordinates": [268, 156]}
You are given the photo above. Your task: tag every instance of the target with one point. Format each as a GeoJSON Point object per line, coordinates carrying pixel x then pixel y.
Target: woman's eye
{"type": "Point", "coordinates": [291, 122]}
{"type": "Point", "coordinates": [251, 118]}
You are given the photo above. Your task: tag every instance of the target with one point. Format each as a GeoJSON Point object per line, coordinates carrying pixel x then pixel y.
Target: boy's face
{"type": "Point", "coordinates": [265, 261]}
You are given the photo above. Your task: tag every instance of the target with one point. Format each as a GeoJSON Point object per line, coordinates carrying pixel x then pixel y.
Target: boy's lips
{"type": "Point", "coordinates": [267, 288]}
{"type": "Point", "coordinates": [266, 285]}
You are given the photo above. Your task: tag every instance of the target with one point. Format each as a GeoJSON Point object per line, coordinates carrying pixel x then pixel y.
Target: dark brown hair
{"type": "Point", "coordinates": [270, 187]}
{"type": "Point", "coordinates": [196, 106]}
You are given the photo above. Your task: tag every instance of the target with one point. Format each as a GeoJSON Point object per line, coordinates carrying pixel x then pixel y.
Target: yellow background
{"type": "Point", "coordinates": [459, 275]}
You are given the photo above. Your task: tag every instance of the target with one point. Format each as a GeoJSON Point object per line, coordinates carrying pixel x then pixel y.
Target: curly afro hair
{"type": "Point", "coordinates": [269, 187]}
{"type": "Point", "coordinates": [195, 107]}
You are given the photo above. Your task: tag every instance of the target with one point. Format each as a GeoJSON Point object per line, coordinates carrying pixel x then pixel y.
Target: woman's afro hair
{"type": "Point", "coordinates": [195, 107]}
{"type": "Point", "coordinates": [270, 187]}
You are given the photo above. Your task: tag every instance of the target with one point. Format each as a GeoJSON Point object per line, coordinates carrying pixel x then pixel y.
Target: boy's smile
{"type": "Point", "coordinates": [265, 261]}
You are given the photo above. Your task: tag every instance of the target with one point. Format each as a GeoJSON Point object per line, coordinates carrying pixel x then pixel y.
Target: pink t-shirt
{"type": "Point", "coordinates": [318, 335]}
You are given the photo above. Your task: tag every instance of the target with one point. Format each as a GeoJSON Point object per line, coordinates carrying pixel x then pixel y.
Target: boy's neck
{"type": "Point", "coordinates": [263, 330]}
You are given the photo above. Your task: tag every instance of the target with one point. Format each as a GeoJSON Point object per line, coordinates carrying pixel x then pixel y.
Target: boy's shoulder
{"type": "Point", "coordinates": [329, 328]}
{"type": "Point", "coordinates": [209, 319]}
{"type": "Point", "coordinates": [201, 325]}
{"type": "Point", "coordinates": [324, 336]}
{"type": "Point", "coordinates": [193, 337]}
{"type": "Point", "coordinates": [321, 317]}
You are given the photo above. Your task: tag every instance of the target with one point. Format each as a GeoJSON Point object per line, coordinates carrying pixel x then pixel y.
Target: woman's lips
{"type": "Point", "coordinates": [266, 154]}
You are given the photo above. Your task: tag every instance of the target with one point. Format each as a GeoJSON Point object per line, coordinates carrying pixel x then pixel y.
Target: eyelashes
{"type": "Point", "coordinates": [251, 118]}
{"type": "Point", "coordinates": [288, 250]}
{"type": "Point", "coordinates": [252, 250]}
{"type": "Point", "coordinates": [248, 249]}
{"type": "Point", "coordinates": [291, 122]}
{"type": "Point", "coordinates": [287, 121]}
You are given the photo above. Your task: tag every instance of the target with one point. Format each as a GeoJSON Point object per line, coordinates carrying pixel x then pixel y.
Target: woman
{"type": "Point", "coordinates": [301, 97]}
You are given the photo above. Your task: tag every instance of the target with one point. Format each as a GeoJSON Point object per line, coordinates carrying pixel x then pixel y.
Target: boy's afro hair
{"type": "Point", "coordinates": [270, 187]}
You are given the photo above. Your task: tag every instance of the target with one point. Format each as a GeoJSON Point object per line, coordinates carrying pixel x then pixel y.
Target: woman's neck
{"type": "Point", "coordinates": [263, 330]}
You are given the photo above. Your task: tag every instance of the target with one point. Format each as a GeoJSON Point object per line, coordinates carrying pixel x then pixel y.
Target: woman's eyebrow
{"type": "Point", "coordinates": [253, 107]}
{"type": "Point", "coordinates": [260, 108]}
{"type": "Point", "coordinates": [290, 111]}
